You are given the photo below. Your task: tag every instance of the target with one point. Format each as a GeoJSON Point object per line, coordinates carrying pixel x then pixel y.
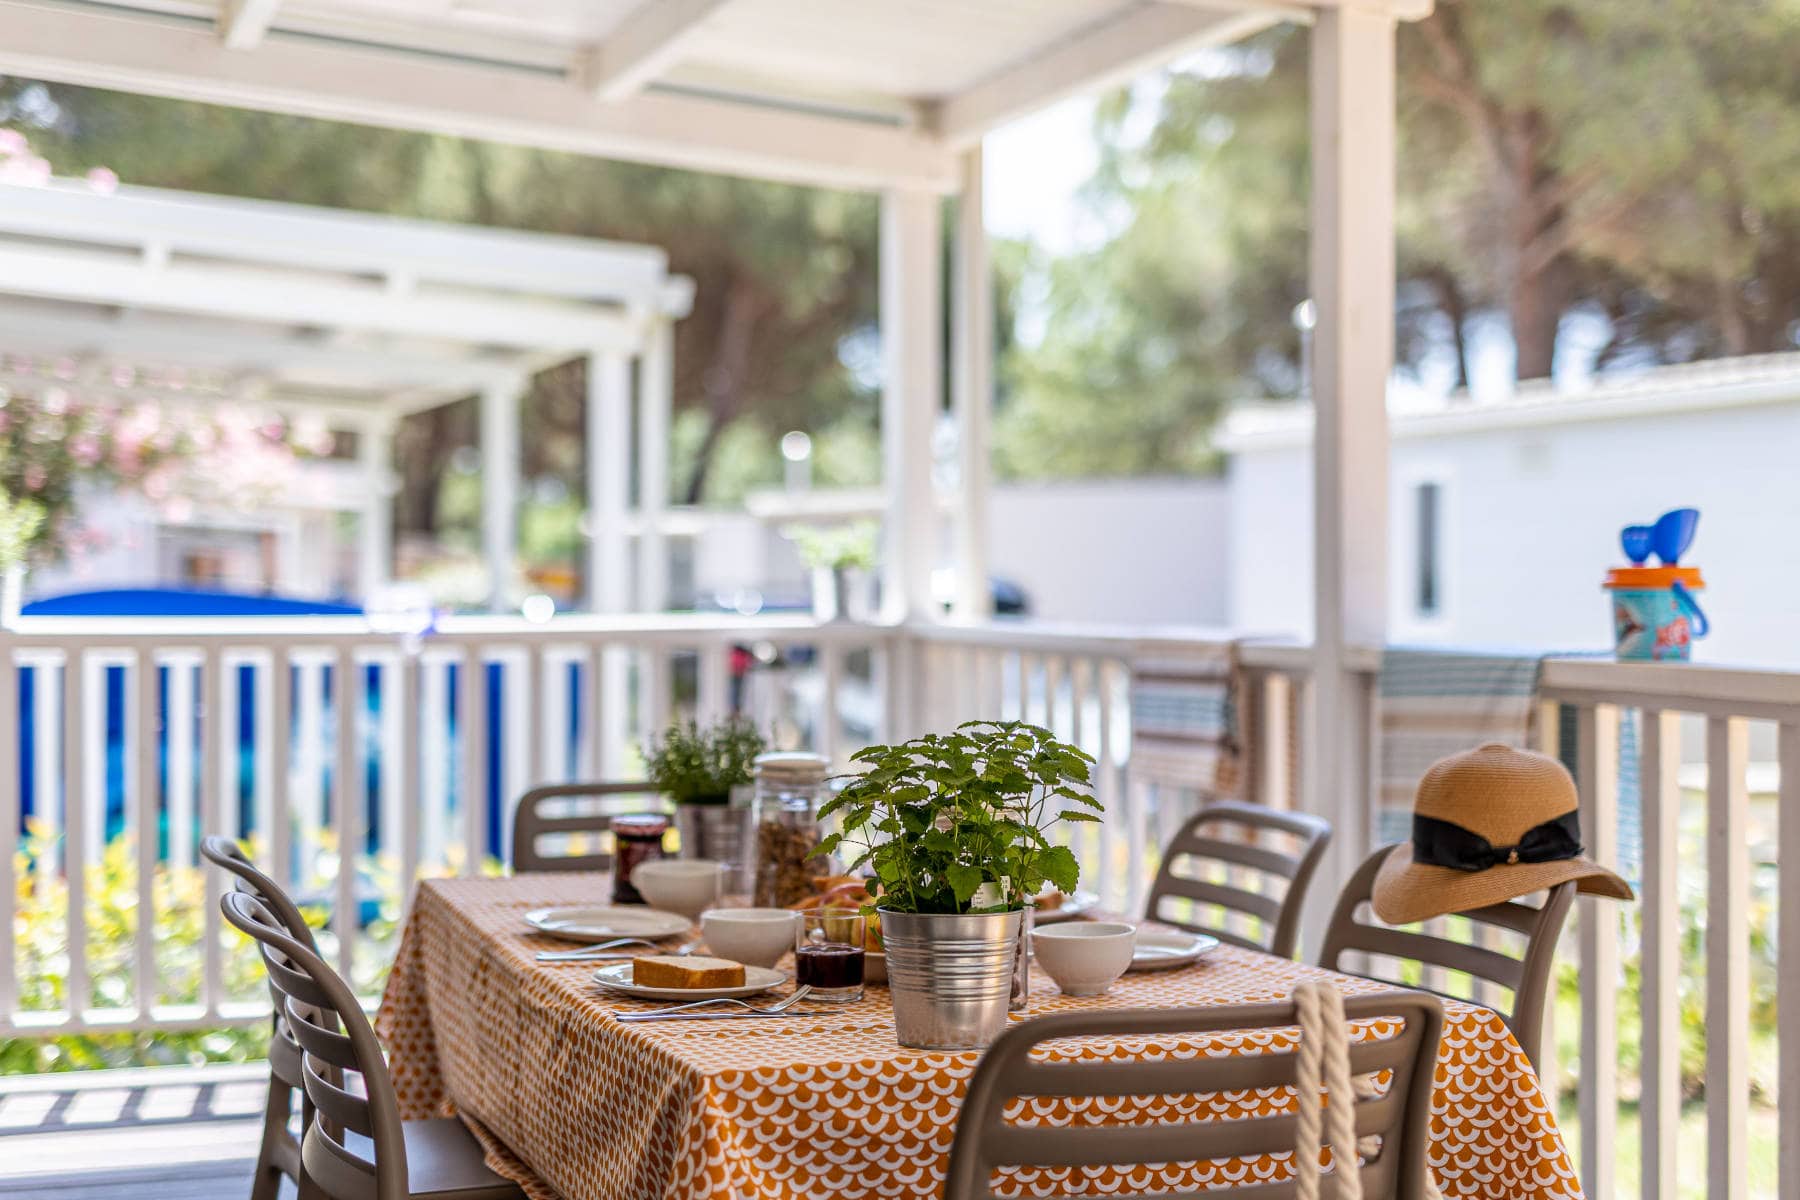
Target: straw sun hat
{"type": "Point", "coordinates": [1489, 824]}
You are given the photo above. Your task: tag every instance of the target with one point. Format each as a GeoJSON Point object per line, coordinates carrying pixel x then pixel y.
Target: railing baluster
{"type": "Point", "coordinates": [309, 752]}
{"type": "Point", "coordinates": [141, 788]}
{"type": "Point", "coordinates": [1022, 682]}
{"type": "Point", "coordinates": [832, 666]}
{"type": "Point", "coordinates": [1788, 973]}
{"type": "Point", "coordinates": [47, 730]}
{"type": "Point", "coordinates": [403, 776]}
{"type": "Point", "coordinates": [523, 677]}
{"type": "Point", "coordinates": [714, 698]}
{"type": "Point", "coordinates": [10, 800]}
{"type": "Point", "coordinates": [472, 735]}
{"type": "Point", "coordinates": [214, 762]}
{"type": "Point", "coordinates": [611, 720]}
{"type": "Point", "coordinates": [552, 673]}
{"type": "Point", "coordinates": [1108, 792]}
{"type": "Point", "coordinates": [1091, 845]}
{"type": "Point", "coordinates": [1727, 958]}
{"type": "Point", "coordinates": [279, 833]}
{"type": "Point", "coordinates": [434, 761]}
{"type": "Point", "coordinates": [1660, 978]}
{"type": "Point", "coordinates": [347, 800]}
{"type": "Point", "coordinates": [74, 799]}
{"type": "Point", "coordinates": [178, 741]}
{"type": "Point", "coordinates": [1599, 937]}
{"type": "Point", "coordinates": [1277, 740]}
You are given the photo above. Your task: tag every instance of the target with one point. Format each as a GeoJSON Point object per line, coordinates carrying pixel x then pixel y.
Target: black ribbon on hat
{"type": "Point", "coordinates": [1446, 844]}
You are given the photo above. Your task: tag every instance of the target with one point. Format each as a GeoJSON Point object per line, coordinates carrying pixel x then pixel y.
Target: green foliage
{"type": "Point", "coordinates": [695, 765]}
{"type": "Point", "coordinates": [941, 817]}
{"type": "Point", "coordinates": [40, 944]}
{"type": "Point", "coordinates": [20, 521]}
{"type": "Point", "coordinates": [851, 545]}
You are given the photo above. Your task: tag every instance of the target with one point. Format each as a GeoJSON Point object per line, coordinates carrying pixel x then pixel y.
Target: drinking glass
{"type": "Point", "coordinates": [828, 953]}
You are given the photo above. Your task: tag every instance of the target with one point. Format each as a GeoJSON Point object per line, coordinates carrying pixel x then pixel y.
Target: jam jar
{"type": "Point", "coordinates": [637, 838]}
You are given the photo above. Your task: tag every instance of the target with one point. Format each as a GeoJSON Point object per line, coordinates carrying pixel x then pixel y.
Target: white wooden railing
{"type": "Point", "coordinates": [241, 727]}
{"type": "Point", "coordinates": [307, 737]}
{"type": "Point", "coordinates": [1722, 709]}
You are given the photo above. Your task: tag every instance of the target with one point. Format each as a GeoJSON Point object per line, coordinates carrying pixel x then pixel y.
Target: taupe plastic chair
{"type": "Point", "coordinates": [356, 1147]}
{"type": "Point", "coordinates": [1400, 1116]}
{"type": "Point", "coordinates": [1527, 976]}
{"type": "Point", "coordinates": [530, 823]}
{"type": "Point", "coordinates": [1277, 913]}
{"type": "Point", "coordinates": [279, 1153]}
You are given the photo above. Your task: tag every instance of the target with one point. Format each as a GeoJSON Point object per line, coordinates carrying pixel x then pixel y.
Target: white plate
{"type": "Point", "coordinates": [1076, 904]}
{"type": "Point", "coordinates": [617, 978]}
{"type": "Point", "coordinates": [603, 922]}
{"type": "Point", "coordinates": [1164, 949]}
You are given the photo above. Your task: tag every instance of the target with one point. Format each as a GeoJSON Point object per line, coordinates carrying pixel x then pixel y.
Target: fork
{"type": "Point", "coordinates": [681, 1011]}
{"type": "Point", "coordinates": [609, 950]}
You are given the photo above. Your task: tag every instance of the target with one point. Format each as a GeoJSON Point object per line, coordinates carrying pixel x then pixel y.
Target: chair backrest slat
{"type": "Point", "coordinates": [534, 819]}
{"type": "Point", "coordinates": [226, 854]}
{"type": "Point", "coordinates": [1526, 976]}
{"type": "Point", "coordinates": [1286, 875]}
{"type": "Point", "coordinates": [1405, 1047]}
{"type": "Point", "coordinates": [335, 1169]}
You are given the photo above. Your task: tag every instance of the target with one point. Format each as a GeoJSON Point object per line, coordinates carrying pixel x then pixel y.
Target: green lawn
{"type": "Point", "coordinates": [1690, 1154]}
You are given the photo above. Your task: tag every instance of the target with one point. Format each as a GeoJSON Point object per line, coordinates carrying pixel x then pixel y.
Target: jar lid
{"type": "Point", "coordinates": [640, 825]}
{"type": "Point", "coordinates": [1624, 578]}
{"type": "Point", "coordinates": [795, 768]}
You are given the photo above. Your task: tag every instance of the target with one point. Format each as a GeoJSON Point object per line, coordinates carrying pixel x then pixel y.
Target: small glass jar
{"type": "Point", "coordinates": [637, 839]}
{"type": "Point", "coordinates": [790, 787]}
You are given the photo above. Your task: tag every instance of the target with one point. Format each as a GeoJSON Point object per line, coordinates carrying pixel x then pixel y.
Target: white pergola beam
{"type": "Point", "coordinates": [242, 23]}
{"type": "Point", "coordinates": [97, 277]}
{"type": "Point", "coordinates": [645, 45]}
{"type": "Point", "coordinates": [214, 347]}
{"type": "Point", "coordinates": [406, 251]}
{"type": "Point", "coordinates": [404, 91]}
{"type": "Point", "coordinates": [1114, 53]}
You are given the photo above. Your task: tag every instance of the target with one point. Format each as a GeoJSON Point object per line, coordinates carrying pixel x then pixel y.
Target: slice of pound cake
{"type": "Point", "coordinates": [686, 971]}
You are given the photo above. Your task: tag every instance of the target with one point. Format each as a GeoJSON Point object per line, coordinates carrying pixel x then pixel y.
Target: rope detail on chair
{"type": "Point", "coordinates": [1324, 1057]}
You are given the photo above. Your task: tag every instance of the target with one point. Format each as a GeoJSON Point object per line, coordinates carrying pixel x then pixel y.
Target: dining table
{"type": "Point", "coordinates": [575, 1105]}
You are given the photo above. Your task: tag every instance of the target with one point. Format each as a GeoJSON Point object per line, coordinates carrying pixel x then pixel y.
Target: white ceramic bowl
{"type": "Point", "coordinates": [688, 886]}
{"type": "Point", "coordinates": [1085, 957]}
{"type": "Point", "coordinates": [756, 937]}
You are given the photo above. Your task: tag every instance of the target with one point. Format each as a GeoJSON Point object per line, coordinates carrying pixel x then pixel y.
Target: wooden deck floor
{"type": "Point", "coordinates": [167, 1134]}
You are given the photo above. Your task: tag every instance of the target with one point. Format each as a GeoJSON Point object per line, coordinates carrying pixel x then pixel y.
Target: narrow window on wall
{"type": "Point", "coordinates": [1428, 591]}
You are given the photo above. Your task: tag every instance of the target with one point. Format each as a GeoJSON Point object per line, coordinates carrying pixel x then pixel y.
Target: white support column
{"type": "Point", "coordinates": [375, 533]}
{"type": "Point", "coordinates": [500, 488]}
{"type": "Point", "coordinates": [608, 479]}
{"type": "Point", "coordinates": [656, 402]}
{"type": "Point", "coordinates": [1352, 272]}
{"type": "Point", "coordinates": [972, 392]}
{"type": "Point", "coordinates": [912, 380]}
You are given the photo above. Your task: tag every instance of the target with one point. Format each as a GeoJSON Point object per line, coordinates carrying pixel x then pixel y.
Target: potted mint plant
{"type": "Point", "coordinates": [954, 828]}
{"type": "Point", "coordinates": [696, 768]}
{"type": "Point", "coordinates": [840, 558]}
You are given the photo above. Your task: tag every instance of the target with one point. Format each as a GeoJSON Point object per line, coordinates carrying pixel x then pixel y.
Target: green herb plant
{"type": "Point", "coordinates": [836, 546]}
{"type": "Point", "coordinates": [701, 766]}
{"type": "Point", "coordinates": [939, 816]}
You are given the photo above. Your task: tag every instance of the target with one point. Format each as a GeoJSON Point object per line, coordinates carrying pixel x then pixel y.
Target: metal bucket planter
{"type": "Point", "coordinates": [719, 832]}
{"type": "Point", "coordinates": [951, 977]}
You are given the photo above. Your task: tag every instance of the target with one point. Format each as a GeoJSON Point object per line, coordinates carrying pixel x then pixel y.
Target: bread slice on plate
{"type": "Point", "coordinates": [686, 971]}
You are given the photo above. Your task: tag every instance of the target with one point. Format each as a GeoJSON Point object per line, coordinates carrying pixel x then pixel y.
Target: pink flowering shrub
{"type": "Point", "coordinates": [64, 426]}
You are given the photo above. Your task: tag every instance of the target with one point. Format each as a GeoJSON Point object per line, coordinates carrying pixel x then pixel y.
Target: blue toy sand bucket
{"type": "Point", "coordinates": [1655, 615]}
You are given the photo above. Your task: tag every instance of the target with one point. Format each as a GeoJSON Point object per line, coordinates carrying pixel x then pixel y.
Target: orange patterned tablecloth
{"type": "Point", "coordinates": [577, 1106]}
